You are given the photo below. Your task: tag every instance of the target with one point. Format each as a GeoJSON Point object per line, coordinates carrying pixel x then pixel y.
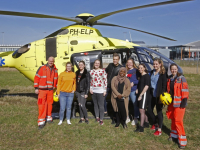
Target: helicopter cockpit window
{"type": "Point", "coordinates": [143, 57]}
{"type": "Point", "coordinates": [21, 50]}
{"type": "Point", "coordinates": [135, 58]}
{"type": "Point", "coordinates": [153, 55]}
{"type": "Point", "coordinates": [141, 51]}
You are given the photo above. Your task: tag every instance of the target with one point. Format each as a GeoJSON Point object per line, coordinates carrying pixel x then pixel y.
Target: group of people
{"type": "Point", "coordinates": [124, 84]}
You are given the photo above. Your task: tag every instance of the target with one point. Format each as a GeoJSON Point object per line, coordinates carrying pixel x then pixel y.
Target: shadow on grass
{"type": "Point", "coordinates": [4, 91]}
{"type": "Point", "coordinates": [166, 130]}
{"type": "Point", "coordinates": [89, 107]}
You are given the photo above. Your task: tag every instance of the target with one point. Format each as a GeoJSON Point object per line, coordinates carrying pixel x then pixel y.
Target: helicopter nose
{"type": "Point", "coordinates": [7, 61]}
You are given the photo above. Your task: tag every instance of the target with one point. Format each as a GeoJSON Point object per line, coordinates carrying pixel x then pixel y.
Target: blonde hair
{"type": "Point", "coordinates": [134, 65]}
{"type": "Point", "coordinates": [100, 64]}
{"type": "Point", "coordinates": [69, 63]}
{"type": "Point", "coordinates": [162, 68]}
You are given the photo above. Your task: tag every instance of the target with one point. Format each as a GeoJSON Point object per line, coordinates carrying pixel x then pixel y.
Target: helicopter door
{"type": "Point", "coordinates": [40, 52]}
{"type": "Point", "coordinates": [62, 47]}
{"type": "Point", "coordinates": [88, 57]}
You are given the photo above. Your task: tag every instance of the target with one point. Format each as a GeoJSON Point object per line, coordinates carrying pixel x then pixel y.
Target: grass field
{"type": "Point", "coordinates": [18, 124]}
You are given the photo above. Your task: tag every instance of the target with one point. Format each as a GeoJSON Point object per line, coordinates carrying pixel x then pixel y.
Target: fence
{"type": "Point", "coordinates": [189, 66]}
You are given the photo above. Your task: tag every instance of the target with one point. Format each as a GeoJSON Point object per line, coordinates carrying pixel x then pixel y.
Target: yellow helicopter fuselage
{"type": "Point", "coordinates": [76, 39]}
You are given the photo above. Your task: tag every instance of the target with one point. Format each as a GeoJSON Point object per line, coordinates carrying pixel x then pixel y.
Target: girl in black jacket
{"type": "Point", "coordinates": [82, 89]}
{"type": "Point", "coordinates": [158, 86]}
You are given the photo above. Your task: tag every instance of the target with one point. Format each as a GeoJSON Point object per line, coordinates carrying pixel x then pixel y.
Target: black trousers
{"type": "Point", "coordinates": [82, 101]}
{"type": "Point", "coordinates": [121, 114]}
{"type": "Point", "coordinates": [155, 102]}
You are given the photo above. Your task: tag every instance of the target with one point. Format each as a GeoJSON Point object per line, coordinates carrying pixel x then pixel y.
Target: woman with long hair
{"type": "Point", "coordinates": [143, 92]}
{"type": "Point", "coordinates": [178, 88]}
{"type": "Point", "coordinates": [158, 86]}
{"type": "Point", "coordinates": [121, 89]}
{"type": "Point", "coordinates": [82, 89]}
{"type": "Point", "coordinates": [65, 89]}
{"type": "Point", "coordinates": [98, 86]}
{"type": "Point", "coordinates": [133, 75]}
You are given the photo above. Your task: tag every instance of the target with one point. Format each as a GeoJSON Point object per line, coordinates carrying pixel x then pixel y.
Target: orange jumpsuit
{"type": "Point", "coordinates": [175, 112]}
{"type": "Point", "coordinates": [45, 80]}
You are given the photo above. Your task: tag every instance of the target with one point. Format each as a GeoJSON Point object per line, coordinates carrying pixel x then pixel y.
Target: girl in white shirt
{"type": "Point", "coordinates": [98, 85]}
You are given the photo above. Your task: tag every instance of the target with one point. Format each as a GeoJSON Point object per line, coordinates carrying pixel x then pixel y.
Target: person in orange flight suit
{"type": "Point", "coordinates": [45, 82]}
{"type": "Point", "coordinates": [178, 88]}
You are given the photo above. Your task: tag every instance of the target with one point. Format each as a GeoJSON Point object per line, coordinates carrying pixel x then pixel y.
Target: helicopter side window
{"type": "Point", "coordinates": [21, 50]}
{"type": "Point", "coordinates": [108, 58]}
{"type": "Point", "coordinates": [74, 42]}
{"type": "Point", "coordinates": [124, 58]}
{"type": "Point", "coordinates": [87, 57]}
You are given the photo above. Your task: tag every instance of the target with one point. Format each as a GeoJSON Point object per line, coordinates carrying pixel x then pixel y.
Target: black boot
{"type": "Point", "coordinates": [41, 126]}
{"type": "Point", "coordinates": [139, 129]}
{"type": "Point", "coordinates": [117, 125]}
{"type": "Point", "coordinates": [181, 147]}
{"type": "Point", "coordinates": [113, 121]}
{"type": "Point", "coordinates": [125, 125]}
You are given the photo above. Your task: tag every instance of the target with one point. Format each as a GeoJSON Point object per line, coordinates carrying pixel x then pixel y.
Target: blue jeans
{"type": "Point", "coordinates": [66, 100]}
{"type": "Point", "coordinates": [134, 101]}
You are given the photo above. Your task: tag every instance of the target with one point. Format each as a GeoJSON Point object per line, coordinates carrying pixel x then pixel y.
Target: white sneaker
{"type": "Point", "coordinates": [127, 120]}
{"type": "Point", "coordinates": [60, 122]}
{"type": "Point", "coordinates": [134, 122]}
{"type": "Point", "coordinates": [68, 122]}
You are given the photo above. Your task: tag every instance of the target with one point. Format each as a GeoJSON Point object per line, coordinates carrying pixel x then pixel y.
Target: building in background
{"type": "Point", "coordinates": [194, 50]}
{"type": "Point", "coordinates": [6, 48]}
{"type": "Point", "coordinates": [187, 51]}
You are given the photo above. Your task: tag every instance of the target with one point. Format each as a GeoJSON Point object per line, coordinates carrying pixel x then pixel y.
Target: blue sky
{"type": "Point", "coordinates": [179, 21]}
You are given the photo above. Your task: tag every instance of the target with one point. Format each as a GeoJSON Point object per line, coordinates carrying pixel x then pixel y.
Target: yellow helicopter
{"type": "Point", "coordinates": [79, 41]}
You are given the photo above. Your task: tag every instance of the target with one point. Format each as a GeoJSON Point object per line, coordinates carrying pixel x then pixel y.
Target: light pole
{"type": "Point", "coordinates": [3, 37]}
{"type": "Point", "coordinates": [130, 36]}
{"type": "Point", "coordinates": [125, 35]}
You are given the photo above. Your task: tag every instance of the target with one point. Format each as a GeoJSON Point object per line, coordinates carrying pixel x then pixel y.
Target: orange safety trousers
{"type": "Point", "coordinates": [176, 115]}
{"type": "Point", "coordinates": [45, 101]}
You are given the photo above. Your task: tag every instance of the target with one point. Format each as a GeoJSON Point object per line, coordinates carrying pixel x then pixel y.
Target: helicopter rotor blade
{"type": "Point", "coordinates": [108, 24]}
{"type": "Point", "coordinates": [92, 20]}
{"type": "Point", "coordinates": [24, 14]}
